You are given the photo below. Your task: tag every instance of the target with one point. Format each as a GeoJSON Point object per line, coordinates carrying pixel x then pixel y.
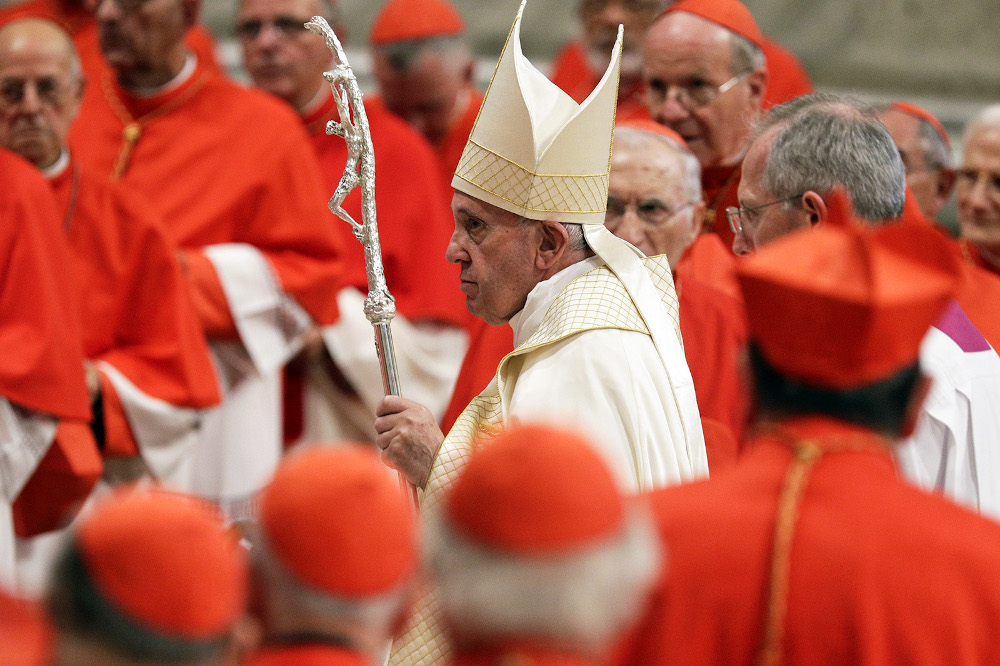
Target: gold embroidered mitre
{"type": "Point", "coordinates": [536, 152]}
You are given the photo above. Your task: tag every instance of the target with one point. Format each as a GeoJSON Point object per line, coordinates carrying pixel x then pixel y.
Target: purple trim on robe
{"type": "Point", "coordinates": [957, 326]}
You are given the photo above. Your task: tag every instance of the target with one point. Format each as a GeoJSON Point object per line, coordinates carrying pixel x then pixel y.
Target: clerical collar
{"type": "Point", "coordinates": [187, 71]}
{"type": "Point", "coordinates": [57, 168]}
{"type": "Point", "coordinates": [527, 321]}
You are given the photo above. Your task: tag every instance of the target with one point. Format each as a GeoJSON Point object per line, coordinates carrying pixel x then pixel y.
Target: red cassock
{"type": "Point", "coordinates": [220, 164]}
{"type": "Point", "coordinates": [79, 22]}
{"type": "Point", "coordinates": [414, 222]}
{"type": "Point", "coordinates": [448, 150]}
{"type": "Point", "coordinates": [572, 72]}
{"type": "Point", "coordinates": [879, 572]}
{"type": "Point", "coordinates": [787, 78]}
{"type": "Point", "coordinates": [41, 368]}
{"type": "Point", "coordinates": [719, 189]}
{"type": "Point", "coordinates": [713, 326]}
{"type": "Point", "coordinates": [306, 654]}
{"type": "Point", "coordinates": [133, 300]}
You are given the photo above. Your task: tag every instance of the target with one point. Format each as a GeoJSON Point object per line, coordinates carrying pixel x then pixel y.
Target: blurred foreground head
{"type": "Point", "coordinates": [149, 577]}
{"type": "Point", "coordinates": [337, 553]}
{"type": "Point", "coordinates": [537, 516]}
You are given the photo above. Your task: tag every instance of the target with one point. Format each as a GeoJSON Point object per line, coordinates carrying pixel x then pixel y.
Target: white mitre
{"type": "Point", "coordinates": [536, 152]}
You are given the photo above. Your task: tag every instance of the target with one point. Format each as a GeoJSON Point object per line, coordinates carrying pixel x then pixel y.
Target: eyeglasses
{"type": "Point", "coordinates": [966, 179]}
{"type": "Point", "coordinates": [692, 95]}
{"type": "Point", "coordinates": [49, 90]}
{"type": "Point", "coordinates": [739, 216]}
{"type": "Point", "coordinates": [652, 212]}
{"type": "Point", "coordinates": [287, 26]}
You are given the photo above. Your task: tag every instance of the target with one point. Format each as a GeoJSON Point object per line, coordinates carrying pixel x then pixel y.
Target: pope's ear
{"type": "Point", "coordinates": [553, 243]}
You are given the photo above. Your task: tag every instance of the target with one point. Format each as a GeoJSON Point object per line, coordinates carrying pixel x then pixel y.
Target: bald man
{"type": "Point", "coordinates": [978, 190]}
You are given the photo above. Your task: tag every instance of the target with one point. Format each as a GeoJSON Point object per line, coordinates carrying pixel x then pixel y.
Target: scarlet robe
{"type": "Point", "coordinates": [41, 370]}
{"type": "Point", "coordinates": [138, 325]}
{"type": "Point", "coordinates": [880, 572]}
{"type": "Point", "coordinates": [713, 325]}
{"type": "Point", "coordinates": [233, 176]}
{"type": "Point", "coordinates": [719, 189]}
{"type": "Point", "coordinates": [487, 345]}
{"type": "Point", "coordinates": [80, 23]}
{"type": "Point", "coordinates": [572, 72]}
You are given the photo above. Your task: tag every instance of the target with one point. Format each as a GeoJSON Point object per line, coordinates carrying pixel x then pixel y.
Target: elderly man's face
{"type": "Point", "coordinates": [601, 19]}
{"type": "Point", "coordinates": [39, 97]}
{"type": "Point", "coordinates": [495, 250]}
{"type": "Point", "coordinates": [280, 55]}
{"type": "Point", "coordinates": [765, 218]}
{"type": "Point", "coordinates": [427, 94]}
{"type": "Point", "coordinates": [685, 54]}
{"type": "Point", "coordinates": [978, 189]}
{"type": "Point", "coordinates": [647, 202]}
{"type": "Point", "coordinates": [925, 183]}
{"type": "Point", "coordinates": [142, 35]}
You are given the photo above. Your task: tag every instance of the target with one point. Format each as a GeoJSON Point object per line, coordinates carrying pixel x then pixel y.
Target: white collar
{"type": "Point", "coordinates": [527, 321]}
{"type": "Point", "coordinates": [57, 168]}
{"type": "Point", "coordinates": [187, 71]}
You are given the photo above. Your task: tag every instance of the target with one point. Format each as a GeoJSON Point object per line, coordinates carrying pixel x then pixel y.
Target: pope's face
{"type": "Point", "coordinates": [279, 54]}
{"type": "Point", "coordinates": [495, 251]}
{"type": "Point", "coordinates": [684, 51]}
{"type": "Point", "coordinates": [923, 181]}
{"type": "Point", "coordinates": [39, 97]}
{"type": "Point", "coordinates": [978, 189]}
{"type": "Point", "coordinates": [647, 205]}
{"type": "Point", "coordinates": [142, 35]}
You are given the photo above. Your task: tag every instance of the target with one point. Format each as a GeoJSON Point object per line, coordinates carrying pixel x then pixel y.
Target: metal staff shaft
{"type": "Point", "coordinates": [380, 306]}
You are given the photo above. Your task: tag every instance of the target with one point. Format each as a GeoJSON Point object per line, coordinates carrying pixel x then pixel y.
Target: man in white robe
{"type": "Point", "coordinates": [595, 322]}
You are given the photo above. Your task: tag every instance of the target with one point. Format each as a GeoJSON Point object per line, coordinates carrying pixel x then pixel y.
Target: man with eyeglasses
{"type": "Point", "coordinates": [654, 202]}
{"type": "Point", "coordinates": [926, 152]}
{"type": "Point", "coordinates": [147, 364]}
{"type": "Point", "coordinates": [232, 174]}
{"type": "Point", "coordinates": [978, 191]}
{"type": "Point", "coordinates": [801, 152]}
{"type": "Point", "coordinates": [705, 76]}
{"type": "Point", "coordinates": [339, 383]}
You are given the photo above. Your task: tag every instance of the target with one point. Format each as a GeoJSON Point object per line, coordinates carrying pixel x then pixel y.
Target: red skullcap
{"type": "Point", "coordinates": [655, 128]}
{"type": "Point", "coordinates": [536, 490]}
{"type": "Point", "coordinates": [730, 14]}
{"type": "Point", "coordinates": [337, 518]}
{"type": "Point", "coordinates": [165, 560]}
{"type": "Point", "coordinates": [407, 20]}
{"type": "Point", "coordinates": [25, 636]}
{"type": "Point", "coordinates": [923, 114]}
{"type": "Point", "coordinates": [842, 305]}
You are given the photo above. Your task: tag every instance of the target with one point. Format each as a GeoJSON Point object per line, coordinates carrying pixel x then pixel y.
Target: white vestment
{"type": "Point", "coordinates": [955, 448]}
{"type": "Point", "coordinates": [583, 358]}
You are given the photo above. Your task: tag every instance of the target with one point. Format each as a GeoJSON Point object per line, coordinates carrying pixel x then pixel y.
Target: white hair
{"type": "Point", "coordinates": [633, 137]}
{"type": "Point", "coordinates": [583, 598]}
{"type": "Point", "coordinates": [987, 118]}
{"type": "Point", "coordinates": [376, 613]}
